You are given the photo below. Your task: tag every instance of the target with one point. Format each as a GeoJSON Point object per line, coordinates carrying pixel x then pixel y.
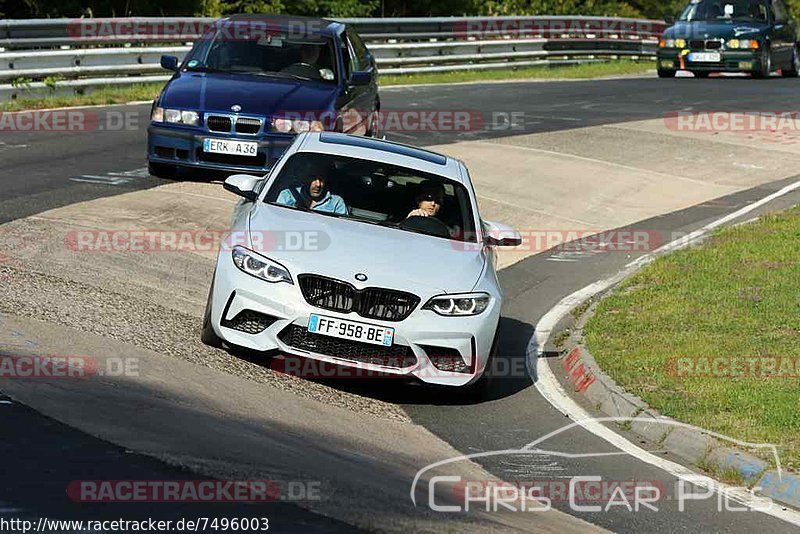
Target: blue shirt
{"type": "Point", "coordinates": [329, 204]}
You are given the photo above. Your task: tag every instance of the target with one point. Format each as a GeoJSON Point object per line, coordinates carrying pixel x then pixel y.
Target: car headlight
{"type": "Point", "coordinates": [743, 44]}
{"type": "Point", "coordinates": [296, 126]}
{"type": "Point", "coordinates": [175, 116]}
{"type": "Point", "coordinates": [671, 43]}
{"type": "Point", "coordinates": [263, 268]}
{"type": "Point", "coordinates": [191, 118]}
{"type": "Point", "coordinates": [458, 305]}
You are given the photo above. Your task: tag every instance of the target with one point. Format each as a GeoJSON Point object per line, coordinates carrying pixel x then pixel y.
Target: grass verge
{"type": "Point", "coordinates": [565, 72]}
{"type": "Point", "coordinates": [120, 95]}
{"type": "Point", "coordinates": [110, 94]}
{"type": "Point", "coordinates": [711, 335]}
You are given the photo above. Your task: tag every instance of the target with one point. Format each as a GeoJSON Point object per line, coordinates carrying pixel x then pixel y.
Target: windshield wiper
{"type": "Point", "coordinates": [275, 74]}
{"type": "Point", "coordinates": [205, 68]}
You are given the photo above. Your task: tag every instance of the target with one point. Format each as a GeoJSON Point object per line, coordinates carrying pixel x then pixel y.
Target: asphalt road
{"type": "Point", "coordinates": [39, 168]}
{"type": "Point", "coordinates": [44, 170]}
{"type": "Point", "coordinates": [42, 457]}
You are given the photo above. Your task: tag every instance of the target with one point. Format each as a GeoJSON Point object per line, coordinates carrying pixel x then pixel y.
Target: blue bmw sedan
{"type": "Point", "coordinates": [253, 82]}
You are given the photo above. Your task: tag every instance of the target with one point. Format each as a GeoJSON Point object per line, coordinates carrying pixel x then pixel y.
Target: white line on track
{"type": "Point", "coordinates": [549, 387]}
{"type": "Point", "coordinates": [94, 179]}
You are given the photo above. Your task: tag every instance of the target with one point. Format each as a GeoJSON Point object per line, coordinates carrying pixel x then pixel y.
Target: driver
{"type": "Point", "coordinates": [314, 195]}
{"type": "Point", "coordinates": [429, 200]}
{"type": "Point", "coordinates": [307, 65]}
{"type": "Point", "coordinates": [309, 54]}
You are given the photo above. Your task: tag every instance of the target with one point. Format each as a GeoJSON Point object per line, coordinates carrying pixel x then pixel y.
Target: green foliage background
{"type": "Point", "coordinates": [655, 9]}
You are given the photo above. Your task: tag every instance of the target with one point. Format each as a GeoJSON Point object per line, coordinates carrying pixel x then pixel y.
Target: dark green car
{"type": "Point", "coordinates": [755, 36]}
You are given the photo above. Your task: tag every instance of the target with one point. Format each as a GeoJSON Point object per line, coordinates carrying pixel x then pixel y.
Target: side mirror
{"type": "Point", "coordinates": [169, 63]}
{"type": "Point", "coordinates": [500, 235]}
{"type": "Point", "coordinates": [243, 185]}
{"type": "Point", "coordinates": [669, 19]}
{"type": "Point", "coordinates": [360, 77]}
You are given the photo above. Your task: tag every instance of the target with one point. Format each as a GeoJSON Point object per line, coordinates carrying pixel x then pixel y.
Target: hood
{"type": "Point", "coordinates": [390, 258]}
{"type": "Point", "coordinates": [259, 95]}
{"type": "Point", "coordinates": [715, 30]}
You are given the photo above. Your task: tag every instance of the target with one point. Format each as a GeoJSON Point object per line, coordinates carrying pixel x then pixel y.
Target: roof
{"type": "Point", "coordinates": [384, 151]}
{"type": "Point", "coordinates": [297, 24]}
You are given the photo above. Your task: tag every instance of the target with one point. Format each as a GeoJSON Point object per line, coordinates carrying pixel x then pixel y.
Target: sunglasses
{"type": "Point", "coordinates": [435, 198]}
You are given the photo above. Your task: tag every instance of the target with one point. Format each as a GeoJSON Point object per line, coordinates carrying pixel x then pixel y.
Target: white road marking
{"type": "Point", "coordinates": [94, 179]}
{"type": "Point", "coordinates": [6, 145]}
{"type": "Point", "coordinates": [747, 166]}
{"type": "Point", "coordinates": [550, 388]}
{"type": "Point", "coordinates": [113, 177]}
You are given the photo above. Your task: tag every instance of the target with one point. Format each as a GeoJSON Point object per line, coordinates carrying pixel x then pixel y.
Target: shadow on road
{"type": "Point", "coordinates": [508, 375]}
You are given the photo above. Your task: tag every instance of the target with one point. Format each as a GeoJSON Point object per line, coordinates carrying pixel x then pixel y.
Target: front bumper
{"type": "Point", "coordinates": [731, 61]}
{"type": "Point", "coordinates": [183, 147]}
{"type": "Point", "coordinates": [469, 338]}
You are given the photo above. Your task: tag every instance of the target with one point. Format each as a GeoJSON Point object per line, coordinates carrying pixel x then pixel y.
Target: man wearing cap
{"type": "Point", "coordinates": [429, 200]}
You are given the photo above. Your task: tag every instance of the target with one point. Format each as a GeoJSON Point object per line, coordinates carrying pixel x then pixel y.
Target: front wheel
{"type": "Point", "coordinates": [793, 70]}
{"type": "Point", "coordinates": [765, 67]}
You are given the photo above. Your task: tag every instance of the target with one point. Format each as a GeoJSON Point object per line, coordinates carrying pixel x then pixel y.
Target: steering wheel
{"type": "Point", "coordinates": [305, 70]}
{"type": "Point", "coordinates": [426, 225]}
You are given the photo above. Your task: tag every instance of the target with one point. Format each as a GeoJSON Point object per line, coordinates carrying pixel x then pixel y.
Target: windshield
{"type": "Point", "coordinates": [712, 10]}
{"type": "Point", "coordinates": [309, 58]}
{"type": "Point", "coordinates": [376, 193]}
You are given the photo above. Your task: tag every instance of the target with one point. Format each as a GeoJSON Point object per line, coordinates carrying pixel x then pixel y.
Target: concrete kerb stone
{"type": "Point", "coordinates": [693, 445]}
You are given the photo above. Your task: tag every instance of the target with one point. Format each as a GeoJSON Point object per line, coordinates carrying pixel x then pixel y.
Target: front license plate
{"type": "Point", "coordinates": [343, 329]}
{"type": "Point", "coordinates": [228, 146]}
{"type": "Point", "coordinates": [705, 57]}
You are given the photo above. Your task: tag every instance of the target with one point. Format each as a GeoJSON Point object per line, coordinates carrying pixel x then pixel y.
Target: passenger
{"type": "Point", "coordinates": [313, 195]}
{"type": "Point", "coordinates": [429, 200]}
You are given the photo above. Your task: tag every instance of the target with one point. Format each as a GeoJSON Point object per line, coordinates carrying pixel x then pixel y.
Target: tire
{"type": "Point", "coordinates": [765, 64]}
{"type": "Point", "coordinates": [207, 334]}
{"type": "Point", "coordinates": [700, 74]}
{"type": "Point", "coordinates": [161, 170]}
{"type": "Point", "coordinates": [793, 70]}
{"type": "Point", "coordinates": [666, 73]}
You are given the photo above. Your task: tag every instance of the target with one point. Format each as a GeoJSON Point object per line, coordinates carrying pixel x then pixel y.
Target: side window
{"type": "Point", "coordinates": [781, 14]}
{"type": "Point", "coordinates": [359, 48]}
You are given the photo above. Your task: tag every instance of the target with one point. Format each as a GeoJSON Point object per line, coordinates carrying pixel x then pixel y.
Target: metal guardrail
{"type": "Point", "coordinates": [57, 56]}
